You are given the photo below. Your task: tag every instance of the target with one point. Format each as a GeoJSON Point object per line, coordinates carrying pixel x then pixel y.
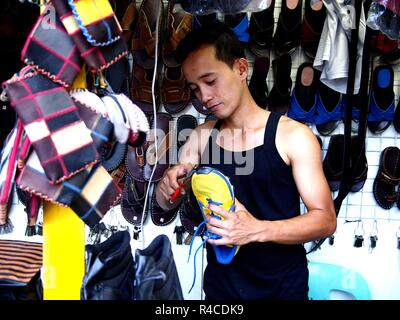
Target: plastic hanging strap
{"type": "Point", "coordinates": [384, 15]}
{"type": "Point", "coordinates": [349, 169]}
{"type": "Point", "coordinates": [205, 7]}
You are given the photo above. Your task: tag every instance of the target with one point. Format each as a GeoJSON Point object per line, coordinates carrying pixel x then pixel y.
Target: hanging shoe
{"type": "Point", "coordinates": [210, 186]}
{"type": "Point", "coordinates": [381, 99]}
{"type": "Point", "coordinates": [333, 161]}
{"type": "Point", "coordinates": [279, 97]}
{"type": "Point", "coordinates": [303, 101]}
{"type": "Point", "coordinates": [387, 178]}
{"type": "Point", "coordinates": [361, 169]}
{"type": "Point", "coordinates": [258, 81]}
{"type": "Point", "coordinates": [261, 29]}
{"type": "Point", "coordinates": [329, 109]}
{"type": "Point", "coordinates": [311, 27]}
{"type": "Point", "coordinates": [239, 24]}
{"type": "Point", "coordinates": [288, 30]}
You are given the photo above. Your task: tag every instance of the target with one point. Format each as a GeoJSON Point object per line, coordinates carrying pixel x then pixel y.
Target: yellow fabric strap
{"type": "Point", "coordinates": [93, 10]}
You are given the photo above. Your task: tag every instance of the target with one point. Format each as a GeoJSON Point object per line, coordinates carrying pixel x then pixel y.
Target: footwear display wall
{"type": "Point", "coordinates": [361, 214]}
{"type": "Point", "coordinates": [283, 48]}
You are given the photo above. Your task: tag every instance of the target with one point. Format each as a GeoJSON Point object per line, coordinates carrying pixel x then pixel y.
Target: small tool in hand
{"type": "Point", "coordinates": [184, 185]}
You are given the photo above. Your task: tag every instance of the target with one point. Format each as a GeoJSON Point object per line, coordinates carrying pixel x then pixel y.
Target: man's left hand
{"type": "Point", "coordinates": [235, 228]}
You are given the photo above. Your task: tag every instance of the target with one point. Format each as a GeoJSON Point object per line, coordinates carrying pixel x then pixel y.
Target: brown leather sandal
{"type": "Point", "coordinates": [175, 94]}
{"type": "Point", "coordinates": [144, 37]}
{"type": "Point", "coordinates": [133, 197]}
{"type": "Point", "coordinates": [164, 141]}
{"type": "Point", "coordinates": [179, 24]}
{"type": "Point", "coordinates": [129, 20]}
{"type": "Point", "coordinates": [141, 89]}
{"type": "Point", "coordinates": [140, 161]}
{"type": "Point", "coordinates": [387, 178]}
{"type": "Point", "coordinates": [159, 216]}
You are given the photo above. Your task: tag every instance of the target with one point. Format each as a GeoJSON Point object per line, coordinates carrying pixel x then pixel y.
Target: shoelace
{"type": "Point", "coordinates": [207, 235]}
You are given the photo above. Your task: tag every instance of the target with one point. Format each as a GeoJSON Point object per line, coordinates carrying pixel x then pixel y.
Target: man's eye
{"type": "Point", "coordinates": [210, 82]}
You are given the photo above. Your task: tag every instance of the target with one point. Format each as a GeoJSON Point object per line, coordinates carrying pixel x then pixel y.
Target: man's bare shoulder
{"type": "Point", "coordinates": [208, 125]}
{"type": "Point", "coordinates": [295, 135]}
{"type": "Point", "coordinates": [289, 128]}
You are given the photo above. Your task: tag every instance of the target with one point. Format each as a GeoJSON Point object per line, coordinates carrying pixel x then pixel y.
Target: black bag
{"type": "Point", "coordinates": [156, 273]}
{"type": "Point", "coordinates": [110, 270]}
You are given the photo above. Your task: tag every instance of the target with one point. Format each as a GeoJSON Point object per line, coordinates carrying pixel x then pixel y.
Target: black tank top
{"type": "Point", "coordinates": [264, 184]}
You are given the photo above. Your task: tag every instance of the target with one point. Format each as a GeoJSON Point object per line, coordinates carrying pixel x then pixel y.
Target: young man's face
{"type": "Point", "coordinates": [214, 83]}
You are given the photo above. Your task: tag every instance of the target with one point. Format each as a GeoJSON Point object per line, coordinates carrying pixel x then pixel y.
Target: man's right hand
{"type": "Point", "coordinates": [169, 183]}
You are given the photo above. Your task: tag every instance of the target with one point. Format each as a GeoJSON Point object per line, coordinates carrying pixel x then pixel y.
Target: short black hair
{"type": "Point", "coordinates": [228, 48]}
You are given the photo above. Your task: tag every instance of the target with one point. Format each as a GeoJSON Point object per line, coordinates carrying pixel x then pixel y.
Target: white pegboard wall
{"type": "Point", "coordinates": [357, 206]}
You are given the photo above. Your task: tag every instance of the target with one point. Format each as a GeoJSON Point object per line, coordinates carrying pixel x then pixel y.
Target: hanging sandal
{"type": "Point", "coordinates": [381, 102]}
{"type": "Point", "coordinates": [174, 92]}
{"type": "Point", "coordinates": [387, 178]}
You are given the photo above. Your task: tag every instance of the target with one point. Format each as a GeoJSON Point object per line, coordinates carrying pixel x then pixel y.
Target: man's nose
{"type": "Point", "coordinates": [205, 95]}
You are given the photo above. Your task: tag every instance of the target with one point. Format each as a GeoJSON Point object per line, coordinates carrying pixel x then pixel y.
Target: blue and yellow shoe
{"type": "Point", "coordinates": [211, 186]}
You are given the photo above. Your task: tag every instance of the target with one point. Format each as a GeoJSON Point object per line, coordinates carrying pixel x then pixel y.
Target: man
{"type": "Point", "coordinates": [282, 164]}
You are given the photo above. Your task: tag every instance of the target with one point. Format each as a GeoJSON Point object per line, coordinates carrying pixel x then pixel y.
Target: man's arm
{"type": "Point", "coordinates": [319, 221]}
{"type": "Point", "coordinates": [304, 155]}
{"type": "Point", "coordinates": [189, 157]}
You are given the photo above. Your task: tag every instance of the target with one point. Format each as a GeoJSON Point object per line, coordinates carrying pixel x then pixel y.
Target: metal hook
{"type": "Point", "coordinates": [360, 226]}
{"type": "Point", "coordinates": [374, 230]}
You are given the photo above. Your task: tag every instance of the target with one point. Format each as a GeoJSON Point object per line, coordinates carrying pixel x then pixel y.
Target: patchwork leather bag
{"type": "Point", "coordinates": [61, 64]}
{"type": "Point", "coordinates": [97, 58]}
{"type": "Point", "coordinates": [52, 124]}
{"type": "Point", "coordinates": [97, 21]}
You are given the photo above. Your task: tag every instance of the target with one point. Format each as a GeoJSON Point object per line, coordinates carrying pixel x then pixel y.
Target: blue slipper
{"type": "Point", "coordinates": [329, 109]}
{"type": "Point", "coordinates": [303, 101]}
{"type": "Point", "coordinates": [381, 99]}
{"type": "Point", "coordinates": [240, 29]}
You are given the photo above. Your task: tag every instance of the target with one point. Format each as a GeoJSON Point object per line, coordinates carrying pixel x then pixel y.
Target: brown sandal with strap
{"type": "Point", "coordinates": [141, 89]}
{"type": "Point", "coordinates": [387, 178]}
{"type": "Point", "coordinates": [175, 94]}
{"type": "Point", "coordinates": [179, 24]}
{"type": "Point", "coordinates": [144, 37]}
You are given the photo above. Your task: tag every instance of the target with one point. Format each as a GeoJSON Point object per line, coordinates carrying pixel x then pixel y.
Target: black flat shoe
{"type": "Point", "coordinates": [288, 30]}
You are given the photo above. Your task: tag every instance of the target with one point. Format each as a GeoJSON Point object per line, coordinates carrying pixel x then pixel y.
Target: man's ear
{"type": "Point", "coordinates": [243, 67]}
